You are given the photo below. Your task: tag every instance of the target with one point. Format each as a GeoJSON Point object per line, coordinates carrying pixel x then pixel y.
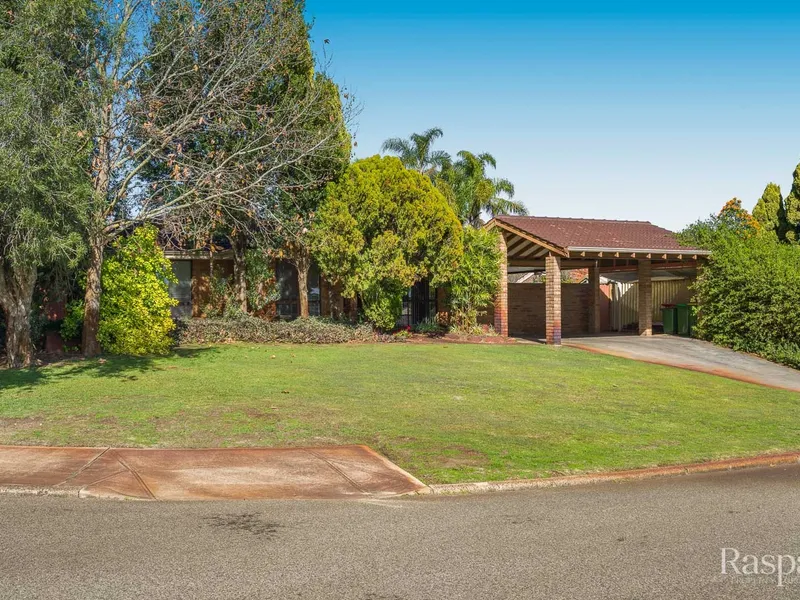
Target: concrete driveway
{"type": "Point", "coordinates": [696, 355]}
{"type": "Point", "coordinates": [341, 472]}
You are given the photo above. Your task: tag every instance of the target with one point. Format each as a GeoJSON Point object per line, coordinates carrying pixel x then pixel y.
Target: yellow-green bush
{"type": "Point", "coordinates": [135, 306]}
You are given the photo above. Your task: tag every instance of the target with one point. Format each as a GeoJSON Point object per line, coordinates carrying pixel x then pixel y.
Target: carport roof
{"type": "Point", "coordinates": [569, 236]}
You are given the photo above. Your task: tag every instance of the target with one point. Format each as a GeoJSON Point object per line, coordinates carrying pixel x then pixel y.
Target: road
{"type": "Point", "coordinates": [636, 540]}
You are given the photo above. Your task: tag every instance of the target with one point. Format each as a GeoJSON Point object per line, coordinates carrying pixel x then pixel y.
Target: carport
{"type": "Point", "coordinates": [550, 245]}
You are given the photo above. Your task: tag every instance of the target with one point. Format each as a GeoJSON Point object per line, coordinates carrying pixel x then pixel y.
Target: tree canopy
{"type": "Point", "coordinates": [43, 186]}
{"type": "Point", "coordinates": [382, 228]}
{"type": "Point", "coordinates": [792, 207]}
{"type": "Point", "coordinates": [769, 210]}
{"type": "Point", "coordinates": [473, 192]}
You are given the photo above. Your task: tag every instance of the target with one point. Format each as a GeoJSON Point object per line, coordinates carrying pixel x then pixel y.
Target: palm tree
{"type": "Point", "coordinates": [415, 152]}
{"type": "Point", "coordinates": [473, 192]}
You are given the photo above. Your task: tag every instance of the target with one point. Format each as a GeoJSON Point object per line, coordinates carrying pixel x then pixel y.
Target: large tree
{"type": "Point", "coordinates": [382, 228]}
{"type": "Point", "coordinates": [769, 211]}
{"type": "Point", "coordinates": [43, 151]}
{"type": "Point", "coordinates": [473, 192]}
{"type": "Point", "coordinates": [417, 153]}
{"type": "Point", "coordinates": [183, 122]}
{"type": "Point", "coordinates": [792, 207]}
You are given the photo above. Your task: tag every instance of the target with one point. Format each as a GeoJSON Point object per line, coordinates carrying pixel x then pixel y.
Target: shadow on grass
{"type": "Point", "coordinates": [116, 367]}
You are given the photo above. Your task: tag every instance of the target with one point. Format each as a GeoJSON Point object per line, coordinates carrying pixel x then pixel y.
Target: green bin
{"type": "Point", "coordinates": [669, 317]}
{"type": "Point", "coordinates": [684, 322]}
{"type": "Point", "coordinates": [692, 318]}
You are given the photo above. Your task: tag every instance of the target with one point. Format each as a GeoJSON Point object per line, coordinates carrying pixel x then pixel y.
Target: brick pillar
{"type": "Point", "coordinates": [501, 299]}
{"type": "Point", "coordinates": [645, 298]}
{"type": "Point", "coordinates": [553, 300]}
{"type": "Point", "coordinates": [594, 306]}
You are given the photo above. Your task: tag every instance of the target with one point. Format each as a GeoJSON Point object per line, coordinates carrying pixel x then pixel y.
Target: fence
{"type": "Point", "coordinates": [624, 307]}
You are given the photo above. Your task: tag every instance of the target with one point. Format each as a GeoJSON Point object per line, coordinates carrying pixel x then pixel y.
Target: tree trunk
{"type": "Point", "coordinates": [239, 246]}
{"type": "Point", "coordinates": [301, 259]}
{"type": "Point", "coordinates": [91, 310]}
{"type": "Point", "coordinates": [101, 164]}
{"type": "Point", "coordinates": [16, 297]}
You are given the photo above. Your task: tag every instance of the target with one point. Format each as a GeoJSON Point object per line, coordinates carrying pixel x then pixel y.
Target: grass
{"type": "Point", "coordinates": [445, 412]}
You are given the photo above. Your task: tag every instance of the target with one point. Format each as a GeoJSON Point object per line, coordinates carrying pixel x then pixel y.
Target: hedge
{"type": "Point", "coordinates": [749, 297]}
{"type": "Point", "coordinates": [254, 330]}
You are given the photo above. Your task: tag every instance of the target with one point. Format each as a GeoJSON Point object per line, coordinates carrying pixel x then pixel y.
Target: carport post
{"type": "Point", "coordinates": [645, 298]}
{"type": "Point", "coordinates": [594, 308]}
{"type": "Point", "coordinates": [553, 300]}
{"type": "Point", "coordinates": [501, 299]}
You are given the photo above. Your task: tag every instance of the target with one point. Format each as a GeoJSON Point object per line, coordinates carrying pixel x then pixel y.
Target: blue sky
{"type": "Point", "coordinates": [620, 110]}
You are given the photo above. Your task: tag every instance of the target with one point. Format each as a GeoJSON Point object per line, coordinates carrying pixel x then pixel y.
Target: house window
{"type": "Point", "coordinates": [286, 282]}
{"type": "Point", "coordinates": [419, 304]}
{"type": "Point", "coordinates": [182, 289]}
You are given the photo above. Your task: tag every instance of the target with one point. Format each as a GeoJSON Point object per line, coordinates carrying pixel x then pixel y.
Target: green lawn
{"type": "Point", "coordinates": [445, 412]}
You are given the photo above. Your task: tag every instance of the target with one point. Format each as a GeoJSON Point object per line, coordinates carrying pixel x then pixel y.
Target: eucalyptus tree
{"type": "Point", "coordinates": [473, 192]}
{"type": "Point", "coordinates": [182, 121]}
{"type": "Point", "coordinates": [43, 151]}
{"type": "Point", "coordinates": [416, 152]}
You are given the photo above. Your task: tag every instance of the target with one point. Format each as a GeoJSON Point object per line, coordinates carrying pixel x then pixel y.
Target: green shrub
{"type": "Point", "coordinates": [135, 306]}
{"type": "Point", "coordinates": [245, 328]}
{"type": "Point", "coordinates": [475, 282]}
{"type": "Point", "coordinates": [749, 296]}
{"type": "Point", "coordinates": [72, 325]}
{"type": "Point", "coordinates": [428, 326]}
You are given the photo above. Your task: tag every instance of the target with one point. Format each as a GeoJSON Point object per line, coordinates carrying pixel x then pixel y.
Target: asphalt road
{"type": "Point", "coordinates": [639, 540]}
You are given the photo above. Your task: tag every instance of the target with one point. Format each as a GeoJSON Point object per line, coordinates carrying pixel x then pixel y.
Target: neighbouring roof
{"type": "Point", "coordinates": [594, 234]}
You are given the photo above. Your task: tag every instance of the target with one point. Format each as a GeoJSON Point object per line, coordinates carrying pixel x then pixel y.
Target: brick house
{"type": "Point", "coordinates": [192, 269]}
{"type": "Point", "coordinates": [603, 247]}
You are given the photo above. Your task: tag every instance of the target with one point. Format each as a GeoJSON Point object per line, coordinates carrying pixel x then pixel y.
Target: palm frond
{"type": "Point", "coordinates": [503, 186]}
{"type": "Point", "coordinates": [440, 159]}
{"type": "Point", "coordinates": [487, 159]}
{"type": "Point", "coordinates": [397, 146]}
{"type": "Point", "coordinates": [503, 206]}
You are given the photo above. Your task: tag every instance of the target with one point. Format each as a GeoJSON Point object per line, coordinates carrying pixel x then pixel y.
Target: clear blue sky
{"type": "Point", "coordinates": [622, 110]}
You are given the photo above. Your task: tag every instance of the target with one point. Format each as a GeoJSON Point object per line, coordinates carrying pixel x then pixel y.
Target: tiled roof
{"type": "Point", "coordinates": [596, 233]}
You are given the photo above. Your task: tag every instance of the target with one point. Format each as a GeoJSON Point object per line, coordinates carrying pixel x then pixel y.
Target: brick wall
{"type": "Point", "coordinates": [200, 281]}
{"type": "Point", "coordinates": [526, 308]}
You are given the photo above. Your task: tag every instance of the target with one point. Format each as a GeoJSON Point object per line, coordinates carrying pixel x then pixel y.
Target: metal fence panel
{"type": "Point", "coordinates": [625, 300]}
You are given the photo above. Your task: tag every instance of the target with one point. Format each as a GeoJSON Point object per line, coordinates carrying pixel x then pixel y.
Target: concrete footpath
{"type": "Point", "coordinates": [337, 472]}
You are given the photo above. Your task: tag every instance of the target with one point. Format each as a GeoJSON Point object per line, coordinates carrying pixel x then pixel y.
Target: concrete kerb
{"type": "Point", "coordinates": [482, 487]}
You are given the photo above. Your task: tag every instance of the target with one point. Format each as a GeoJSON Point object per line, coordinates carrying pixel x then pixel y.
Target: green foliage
{"type": "Point", "coordinates": [475, 282]}
{"type": "Point", "coordinates": [428, 326]}
{"type": "Point", "coordinates": [381, 229]}
{"type": "Point", "coordinates": [416, 154]}
{"type": "Point", "coordinates": [313, 330]}
{"type": "Point", "coordinates": [43, 151]}
{"type": "Point", "coordinates": [472, 192]}
{"type": "Point", "coordinates": [72, 325]}
{"type": "Point", "coordinates": [792, 207]}
{"type": "Point", "coordinates": [749, 296]}
{"type": "Point", "coordinates": [769, 211]}
{"type": "Point", "coordinates": [135, 312]}
{"type": "Point", "coordinates": [732, 220]}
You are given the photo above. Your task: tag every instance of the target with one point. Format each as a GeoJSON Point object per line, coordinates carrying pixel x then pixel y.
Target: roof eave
{"type": "Point", "coordinates": [673, 251]}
